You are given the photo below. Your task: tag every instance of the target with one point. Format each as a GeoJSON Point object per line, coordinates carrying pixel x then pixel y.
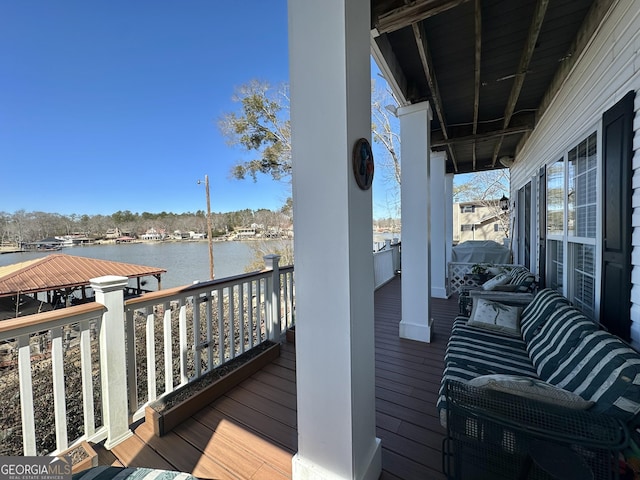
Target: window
{"type": "Point", "coordinates": [466, 227]}
{"type": "Point", "coordinates": [572, 197]}
{"type": "Point", "coordinates": [496, 227]}
{"type": "Point", "coordinates": [467, 208]}
{"type": "Point", "coordinates": [555, 268]}
{"type": "Point", "coordinates": [555, 198]}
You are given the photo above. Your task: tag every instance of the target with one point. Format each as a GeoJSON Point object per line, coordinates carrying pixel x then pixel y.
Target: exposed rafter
{"type": "Point", "coordinates": [480, 137]}
{"type": "Point", "coordinates": [478, 57]}
{"type": "Point", "coordinates": [427, 65]}
{"type": "Point", "coordinates": [523, 66]}
{"type": "Point", "coordinates": [412, 13]}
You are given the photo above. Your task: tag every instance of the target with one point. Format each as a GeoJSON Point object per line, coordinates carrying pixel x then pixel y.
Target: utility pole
{"type": "Point", "coordinates": [209, 232]}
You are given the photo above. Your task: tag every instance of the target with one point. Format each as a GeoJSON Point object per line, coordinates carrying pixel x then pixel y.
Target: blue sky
{"type": "Point", "coordinates": [112, 105]}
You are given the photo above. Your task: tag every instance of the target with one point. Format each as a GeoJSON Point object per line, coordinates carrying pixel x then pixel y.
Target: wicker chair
{"type": "Point", "coordinates": [496, 435]}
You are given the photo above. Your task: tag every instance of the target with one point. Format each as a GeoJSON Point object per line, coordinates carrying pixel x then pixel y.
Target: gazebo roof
{"type": "Point", "coordinates": [60, 271]}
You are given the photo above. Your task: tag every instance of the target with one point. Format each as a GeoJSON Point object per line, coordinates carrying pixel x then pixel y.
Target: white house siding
{"type": "Point", "coordinates": [607, 70]}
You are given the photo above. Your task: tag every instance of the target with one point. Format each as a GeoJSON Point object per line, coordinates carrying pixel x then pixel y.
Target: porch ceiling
{"type": "Point", "coordinates": [489, 68]}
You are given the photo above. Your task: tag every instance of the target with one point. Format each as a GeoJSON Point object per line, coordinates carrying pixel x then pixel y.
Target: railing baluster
{"type": "Point", "coordinates": [221, 340]}
{"type": "Point", "coordinates": [232, 329]}
{"type": "Point", "coordinates": [150, 331]}
{"type": "Point", "coordinates": [250, 314]}
{"type": "Point", "coordinates": [259, 311]}
{"type": "Point", "coordinates": [26, 396]}
{"type": "Point", "coordinates": [184, 349]}
{"type": "Point", "coordinates": [132, 368]}
{"type": "Point", "coordinates": [168, 350]}
{"type": "Point", "coordinates": [209, 330]}
{"type": "Point", "coordinates": [241, 315]}
{"type": "Point", "coordinates": [86, 368]}
{"type": "Point", "coordinates": [197, 337]}
{"type": "Point", "coordinates": [285, 299]}
{"type": "Point", "coordinates": [59, 403]}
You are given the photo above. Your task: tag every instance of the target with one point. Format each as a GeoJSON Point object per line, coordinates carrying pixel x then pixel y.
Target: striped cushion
{"type": "Point", "coordinates": [537, 312]}
{"type": "Point", "coordinates": [112, 473]}
{"type": "Point", "coordinates": [557, 338]}
{"type": "Point", "coordinates": [603, 369]}
{"type": "Point", "coordinates": [523, 280]}
{"type": "Point", "coordinates": [473, 352]}
{"type": "Point", "coordinates": [481, 352]}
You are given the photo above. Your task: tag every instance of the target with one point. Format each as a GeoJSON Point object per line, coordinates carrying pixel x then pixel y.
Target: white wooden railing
{"type": "Point", "coordinates": [386, 263]}
{"type": "Point", "coordinates": [202, 326]}
{"type": "Point", "coordinates": [39, 353]}
{"type": "Point", "coordinates": [86, 372]}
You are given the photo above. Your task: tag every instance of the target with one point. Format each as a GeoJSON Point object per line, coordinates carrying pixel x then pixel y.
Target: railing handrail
{"type": "Point", "coordinates": [194, 289]}
{"type": "Point", "coordinates": [47, 320]}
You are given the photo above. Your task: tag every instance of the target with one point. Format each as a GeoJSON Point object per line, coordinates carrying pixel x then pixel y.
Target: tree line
{"type": "Point", "coordinates": [25, 227]}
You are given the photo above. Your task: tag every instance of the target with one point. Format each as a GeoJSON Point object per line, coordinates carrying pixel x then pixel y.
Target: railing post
{"type": "Point", "coordinates": [113, 366]}
{"type": "Point", "coordinates": [272, 297]}
{"type": "Point", "coordinates": [397, 266]}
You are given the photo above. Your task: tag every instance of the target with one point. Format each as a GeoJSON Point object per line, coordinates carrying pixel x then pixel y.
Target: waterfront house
{"type": "Point", "coordinates": [545, 87]}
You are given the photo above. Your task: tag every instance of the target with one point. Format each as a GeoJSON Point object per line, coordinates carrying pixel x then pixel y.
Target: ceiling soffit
{"type": "Point", "coordinates": [488, 67]}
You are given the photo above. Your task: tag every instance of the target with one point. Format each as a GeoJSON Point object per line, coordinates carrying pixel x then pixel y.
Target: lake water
{"type": "Point", "coordinates": [185, 262]}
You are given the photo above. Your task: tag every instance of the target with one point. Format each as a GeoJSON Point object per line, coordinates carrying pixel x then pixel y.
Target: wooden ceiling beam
{"type": "Point", "coordinates": [480, 137]}
{"type": "Point", "coordinates": [478, 58]}
{"type": "Point", "coordinates": [413, 12]}
{"type": "Point", "coordinates": [427, 65]}
{"type": "Point", "coordinates": [523, 66]}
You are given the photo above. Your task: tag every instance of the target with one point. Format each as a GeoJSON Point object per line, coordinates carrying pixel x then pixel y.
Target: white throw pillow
{"type": "Point", "coordinates": [532, 388]}
{"type": "Point", "coordinates": [495, 316]}
{"type": "Point", "coordinates": [500, 279]}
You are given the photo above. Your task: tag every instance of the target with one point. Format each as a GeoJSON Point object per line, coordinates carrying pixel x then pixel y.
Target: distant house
{"type": "Point", "coordinates": [152, 234]}
{"type": "Point", "coordinates": [246, 232]}
{"type": "Point", "coordinates": [113, 233]}
{"type": "Point", "coordinates": [479, 221]}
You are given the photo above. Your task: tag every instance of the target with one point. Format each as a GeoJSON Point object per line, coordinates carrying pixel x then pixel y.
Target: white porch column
{"type": "Point", "coordinates": [330, 110]}
{"type": "Point", "coordinates": [439, 206]}
{"type": "Point", "coordinates": [416, 271]}
{"type": "Point", "coordinates": [448, 195]}
{"type": "Point", "coordinates": [113, 363]}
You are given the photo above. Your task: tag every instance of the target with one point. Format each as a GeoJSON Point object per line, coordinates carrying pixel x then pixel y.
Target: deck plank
{"type": "Point", "coordinates": [250, 432]}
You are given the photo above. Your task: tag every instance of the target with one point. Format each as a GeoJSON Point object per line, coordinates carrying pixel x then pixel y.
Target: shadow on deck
{"type": "Point", "coordinates": [250, 433]}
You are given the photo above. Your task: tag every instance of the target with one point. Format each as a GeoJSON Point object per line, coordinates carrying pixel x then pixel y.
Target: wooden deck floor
{"type": "Point", "coordinates": [250, 433]}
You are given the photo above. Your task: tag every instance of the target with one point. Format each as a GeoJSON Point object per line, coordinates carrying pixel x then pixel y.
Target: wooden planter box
{"type": "Point", "coordinates": [83, 456]}
{"type": "Point", "coordinates": [164, 421]}
{"type": "Point", "coordinates": [291, 335]}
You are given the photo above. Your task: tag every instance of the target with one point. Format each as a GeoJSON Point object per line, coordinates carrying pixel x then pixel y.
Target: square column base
{"type": "Point", "coordinates": [414, 331]}
{"type": "Point", "coordinates": [303, 469]}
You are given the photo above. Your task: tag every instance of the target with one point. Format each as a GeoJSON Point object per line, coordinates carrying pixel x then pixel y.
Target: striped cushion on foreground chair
{"type": "Point", "coordinates": [472, 352]}
{"type": "Point", "coordinates": [605, 370]}
{"type": "Point", "coordinates": [557, 338]}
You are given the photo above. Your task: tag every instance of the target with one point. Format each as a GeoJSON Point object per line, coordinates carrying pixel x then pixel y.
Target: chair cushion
{"type": "Point", "coordinates": [557, 338]}
{"type": "Point", "coordinates": [533, 389]}
{"type": "Point", "coordinates": [495, 316]}
{"type": "Point", "coordinates": [523, 280]}
{"type": "Point", "coordinates": [498, 280]}
{"type": "Point", "coordinates": [537, 312]}
{"type": "Point", "coordinates": [605, 370]}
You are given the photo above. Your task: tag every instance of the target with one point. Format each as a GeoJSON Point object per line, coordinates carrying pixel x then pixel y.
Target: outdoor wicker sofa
{"type": "Point", "coordinates": [579, 426]}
